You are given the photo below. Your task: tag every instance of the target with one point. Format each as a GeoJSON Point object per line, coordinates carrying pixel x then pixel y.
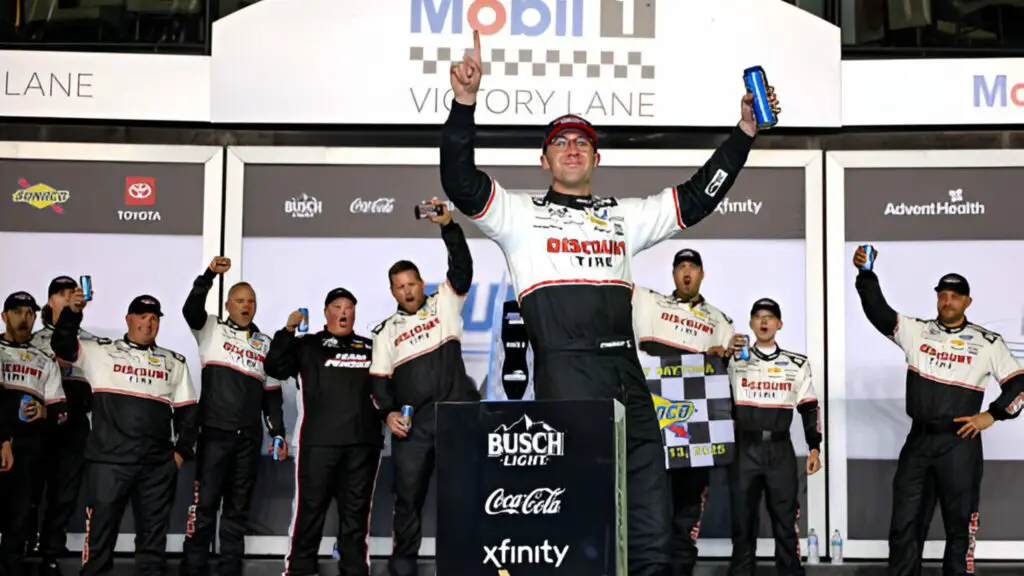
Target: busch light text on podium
{"type": "Point", "coordinates": [563, 17]}
{"type": "Point", "coordinates": [525, 443]}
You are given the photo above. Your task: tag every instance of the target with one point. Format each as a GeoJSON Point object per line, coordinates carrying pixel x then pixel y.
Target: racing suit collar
{"type": "Point", "coordinates": [568, 200]}
{"type": "Point", "coordinates": [12, 343]}
{"type": "Point", "coordinates": [138, 346]}
{"type": "Point", "coordinates": [252, 328]}
{"type": "Point", "coordinates": [695, 302]}
{"type": "Point", "coordinates": [764, 355]}
{"type": "Point", "coordinates": [952, 330]}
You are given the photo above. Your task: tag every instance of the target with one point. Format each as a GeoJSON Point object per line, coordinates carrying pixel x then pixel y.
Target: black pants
{"type": "Point", "coordinates": [60, 483]}
{"type": "Point", "coordinates": [765, 465]}
{"type": "Point", "coordinates": [226, 467]}
{"type": "Point", "coordinates": [935, 462]}
{"type": "Point", "coordinates": [109, 489]}
{"type": "Point", "coordinates": [649, 520]}
{"type": "Point", "coordinates": [689, 494]}
{"type": "Point", "coordinates": [346, 474]}
{"type": "Point", "coordinates": [16, 502]}
{"type": "Point", "coordinates": [413, 458]}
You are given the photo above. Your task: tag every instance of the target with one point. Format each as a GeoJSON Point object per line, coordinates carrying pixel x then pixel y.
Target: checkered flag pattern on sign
{"type": "Point", "coordinates": [597, 64]}
{"type": "Point", "coordinates": [693, 401]}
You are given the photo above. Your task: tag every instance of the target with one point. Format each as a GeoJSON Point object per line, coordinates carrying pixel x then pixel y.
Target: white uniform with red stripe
{"type": "Point", "coordinates": [663, 323]}
{"type": "Point", "coordinates": [547, 243]}
{"type": "Point", "coordinates": [30, 370]}
{"type": "Point", "coordinates": [781, 379]}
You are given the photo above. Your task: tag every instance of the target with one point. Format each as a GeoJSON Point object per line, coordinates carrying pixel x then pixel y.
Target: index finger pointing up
{"type": "Point", "coordinates": [477, 55]}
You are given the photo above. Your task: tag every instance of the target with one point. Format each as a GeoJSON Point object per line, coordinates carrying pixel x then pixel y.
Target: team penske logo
{"type": "Point", "coordinates": [946, 357]}
{"type": "Point", "coordinates": [348, 360]}
{"type": "Point", "coordinates": [418, 332]}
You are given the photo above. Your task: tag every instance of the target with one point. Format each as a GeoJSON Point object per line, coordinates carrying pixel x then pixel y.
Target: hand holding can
{"type": "Point", "coordinates": [304, 325]}
{"type": "Point", "coordinates": [741, 348]}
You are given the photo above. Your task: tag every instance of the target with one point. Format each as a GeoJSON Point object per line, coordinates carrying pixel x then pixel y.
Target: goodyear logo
{"type": "Point", "coordinates": [40, 196]}
{"type": "Point", "coordinates": [673, 414]}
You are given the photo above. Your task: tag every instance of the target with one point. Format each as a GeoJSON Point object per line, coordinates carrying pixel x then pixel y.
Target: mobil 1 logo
{"type": "Point", "coordinates": [525, 443]}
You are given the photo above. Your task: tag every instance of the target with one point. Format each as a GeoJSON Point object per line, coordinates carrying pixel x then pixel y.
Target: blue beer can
{"type": "Point", "coordinates": [278, 442]}
{"type": "Point", "coordinates": [407, 415]}
{"type": "Point", "coordinates": [86, 283]}
{"type": "Point", "coordinates": [757, 84]}
{"type": "Point", "coordinates": [304, 325]}
{"type": "Point", "coordinates": [869, 252]}
{"type": "Point", "coordinates": [21, 408]}
{"type": "Point", "coordinates": [745, 351]}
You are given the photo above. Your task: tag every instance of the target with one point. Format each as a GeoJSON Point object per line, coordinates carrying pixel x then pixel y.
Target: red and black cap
{"type": "Point", "coordinates": [567, 123]}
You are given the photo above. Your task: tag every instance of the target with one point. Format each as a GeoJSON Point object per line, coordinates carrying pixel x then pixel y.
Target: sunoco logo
{"type": "Point", "coordinates": [955, 206]}
{"type": "Point", "coordinates": [525, 443]}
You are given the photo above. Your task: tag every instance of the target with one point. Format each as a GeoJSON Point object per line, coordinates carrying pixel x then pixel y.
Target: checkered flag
{"type": "Point", "coordinates": [693, 401]}
{"type": "Point", "coordinates": [600, 64]}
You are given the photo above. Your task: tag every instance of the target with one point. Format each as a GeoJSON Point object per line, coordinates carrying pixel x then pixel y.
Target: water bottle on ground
{"type": "Point", "coordinates": [813, 556]}
{"type": "Point", "coordinates": [837, 548]}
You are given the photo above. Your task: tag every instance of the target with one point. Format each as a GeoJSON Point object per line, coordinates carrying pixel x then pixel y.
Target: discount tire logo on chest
{"type": "Point", "coordinates": [525, 443]}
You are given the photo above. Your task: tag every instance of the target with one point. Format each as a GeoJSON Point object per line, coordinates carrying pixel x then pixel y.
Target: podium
{"type": "Point", "coordinates": [531, 488]}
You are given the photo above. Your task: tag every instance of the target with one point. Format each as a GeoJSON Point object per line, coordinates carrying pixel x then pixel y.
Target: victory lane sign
{"type": "Point", "coordinates": [531, 488]}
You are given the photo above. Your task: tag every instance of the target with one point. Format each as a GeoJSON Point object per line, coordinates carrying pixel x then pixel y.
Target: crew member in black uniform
{"type": "Point", "coordinates": [235, 391]}
{"type": "Point", "coordinates": [340, 434]}
{"type": "Point", "coordinates": [60, 481]}
{"type": "Point", "coordinates": [28, 372]}
{"type": "Point", "coordinates": [766, 388]}
{"type": "Point", "coordinates": [417, 361]}
{"type": "Point", "coordinates": [142, 398]}
{"type": "Point", "coordinates": [949, 363]}
{"type": "Point", "coordinates": [683, 323]}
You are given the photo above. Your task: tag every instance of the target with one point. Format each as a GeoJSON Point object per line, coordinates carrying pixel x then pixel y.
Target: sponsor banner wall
{"type": "Point", "coordinates": [314, 219]}
{"type": "Point", "coordinates": [137, 219]}
{"type": "Point", "coordinates": [928, 214]}
{"type": "Point", "coordinates": [614, 61]}
{"type": "Point", "coordinates": [966, 91]}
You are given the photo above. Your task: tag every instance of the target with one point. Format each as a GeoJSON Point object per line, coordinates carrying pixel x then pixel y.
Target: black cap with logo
{"type": "Point", "coordinates": [145, 304]}
{"type": "Point", "coordinates": [567, 123]}
{"type": "Point", "coordinates": [954, 282]}
{"type": "Point", "coordinates": [339, 293]}
{"type": "Point", "coordinates": [687, 255]}
{"type": "Point", "coordinates": [768, 305]}
{"type": "Point", "coordinates": [60, 284]}
{"type": "Point", "coordinates": [19, 299]}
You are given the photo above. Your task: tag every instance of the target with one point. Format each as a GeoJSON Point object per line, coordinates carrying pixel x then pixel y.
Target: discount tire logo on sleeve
{"type": "Point", "coordinates": [525, 443]}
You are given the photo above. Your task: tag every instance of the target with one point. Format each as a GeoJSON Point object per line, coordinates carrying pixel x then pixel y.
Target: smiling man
{"type": "Point", "coordinates": [949, 363]}
{"type": "Point", "coordinates": [235, 392]}
{"type": "Point", "coordinates": [570, 255]}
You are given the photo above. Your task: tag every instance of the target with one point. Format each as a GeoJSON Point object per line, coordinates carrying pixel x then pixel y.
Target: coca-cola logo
{"type": "Point", "coordinates": [541, 501]}
{"type": "Point", "coordinates": [378, 206]}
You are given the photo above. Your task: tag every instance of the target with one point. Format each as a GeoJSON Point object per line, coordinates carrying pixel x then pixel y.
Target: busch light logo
{"type": "Point", "coordinates": [305, 206]}
{"type": "Point", "coordinates": [525, 443]}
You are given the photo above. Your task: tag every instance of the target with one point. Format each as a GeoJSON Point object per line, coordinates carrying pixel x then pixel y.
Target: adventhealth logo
{"type": "Point", "coordinates": [955, 206]}
{"type": "Point", "coordinates": [997, 92]}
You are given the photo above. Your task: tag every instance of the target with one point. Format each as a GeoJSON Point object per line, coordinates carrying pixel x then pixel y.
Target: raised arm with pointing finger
{"type": "Point", "coordinates": [569, 254]}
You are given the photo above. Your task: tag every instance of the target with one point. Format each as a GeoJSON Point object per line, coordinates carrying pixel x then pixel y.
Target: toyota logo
{"type": "Point", "coordinates": [140, 190]}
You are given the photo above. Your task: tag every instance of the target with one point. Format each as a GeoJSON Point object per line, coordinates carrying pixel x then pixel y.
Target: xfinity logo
{"type": "Point", "coordinates": [525, 443]}
{"type": "Point", "coordinates": [747, 206]}
{"type": "Point", "coordinates": [540, 501]}
{"type": "Point", "coordinates": [954, 206]}
{"type": "Point", "coordinates": [507, 553]}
